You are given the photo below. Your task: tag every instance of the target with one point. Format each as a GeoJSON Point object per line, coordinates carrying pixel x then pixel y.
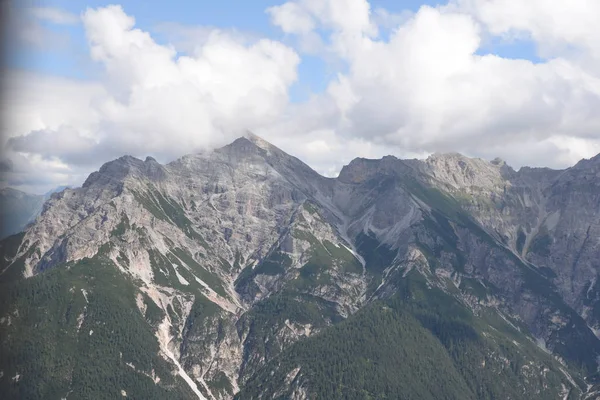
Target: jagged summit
{"type": "Point", "coordinates": [242, 273]}
{"type": "Point", "coordinates": [591, 163]}
{"type": "Point", "coordinates": [260, 142]}
{"type": "Point", "coordinates": [446, 155]}
{"type": "Point", "coordinates": [114, 172]}
{"type": "Point", "coordinates": [361, 169]}
{"type": "Point", "coordinates": [249, 143]}
{"type": "Point", "coordinates": [452, 168]}
{"type": "Point", "coordinates": [240, 149]}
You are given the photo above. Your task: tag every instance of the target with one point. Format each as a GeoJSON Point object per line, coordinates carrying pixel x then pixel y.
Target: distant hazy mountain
{"type": "Point", "coordinates": [17, 209]}
{"type": "Point", "coordinates": [55, 190]}
{"type": "Point", "coordinates": [242, 273]}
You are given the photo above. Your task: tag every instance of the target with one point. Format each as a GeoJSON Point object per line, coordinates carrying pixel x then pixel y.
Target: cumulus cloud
{"type": "Point", "coordinates": [188, 38]}
{"type": "Point", "coordinates": [73, 148]}
{"type": "Point", "coordinates": [152, 100]}
{"type": "Point", "coordinates": [32, 173]}
{"type": "Point", "coordinates": [388, 20]}
{"type": "Point", "coordinates": [292, 18]}
{"type": "Point", "coordinates": [159, 98]}
{"type": "Point", "coordinates": [35, 102]}
{"type": "Point", "coordinates": [556, 26]}
{"type": "Point", "coordinates": [423, 86]}
{"type": "Point", "coordinates": [426, 88]}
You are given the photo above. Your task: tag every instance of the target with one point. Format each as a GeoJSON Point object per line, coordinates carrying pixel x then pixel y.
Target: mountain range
{"type": "Point", "coordinates": [241, 273]}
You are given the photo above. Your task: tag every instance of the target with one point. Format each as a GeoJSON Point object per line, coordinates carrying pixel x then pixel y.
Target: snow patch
{"type": "Point", "coordinates": [182, 280]}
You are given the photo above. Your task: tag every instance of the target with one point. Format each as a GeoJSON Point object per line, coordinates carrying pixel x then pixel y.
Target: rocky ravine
{"type": "Point", "coordinates": [232, 256]}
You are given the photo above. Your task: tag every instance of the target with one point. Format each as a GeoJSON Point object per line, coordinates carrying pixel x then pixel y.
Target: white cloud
{"type": "Point", "coordinates": [422, 87]}
{"type": "Point", "coordinates": [292, 18]}
{"type": "Point", "coordinates": [554, 25]}
{"type": "Point", "coordinates": [427, 89]}
{"type": "Point", "coordinates": [152, 101]}
{"type": "Point", "coordinates": [35, 102]}
{"type": "Point", "coordinates": [32, 173]}
{"type": "Point", "coordinates": [387, 20]}
{"type": "Point", "coordinates": [189, 38]}
{"type": "Point", "coordinates": [74, 148]}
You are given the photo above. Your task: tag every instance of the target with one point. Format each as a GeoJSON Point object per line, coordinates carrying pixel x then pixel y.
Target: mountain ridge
{"type": "Point", "coordinates": [230, 259]}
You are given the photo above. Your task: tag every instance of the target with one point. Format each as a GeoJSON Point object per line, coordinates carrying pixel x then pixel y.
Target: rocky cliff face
{"type": "Point", "coordinates": [232, 259]}
{"type": "Point", "coordinates": [548, 218]}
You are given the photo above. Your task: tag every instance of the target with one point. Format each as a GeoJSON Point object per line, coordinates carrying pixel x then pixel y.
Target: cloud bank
{"type": "Point", "coordinates": [408, 84]}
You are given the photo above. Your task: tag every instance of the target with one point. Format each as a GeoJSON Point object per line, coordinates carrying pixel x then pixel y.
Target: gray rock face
{"type": "Point", "coordinates": [548, 218]}
{"type": "Point", "coordinates": [248, 227]}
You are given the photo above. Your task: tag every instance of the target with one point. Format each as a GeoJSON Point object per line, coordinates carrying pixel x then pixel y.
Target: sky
{"type": "Point", "coordinates": [325, 80]}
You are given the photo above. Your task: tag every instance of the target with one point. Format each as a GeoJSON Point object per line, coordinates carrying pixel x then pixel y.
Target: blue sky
{"type": "Point", "coordinates": [71, 59]}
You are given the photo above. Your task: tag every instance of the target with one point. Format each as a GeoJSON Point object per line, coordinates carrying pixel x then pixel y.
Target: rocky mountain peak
{"type": "Point", "coordinates": [240, 150]}
{"type": "Point", "coordinates": [461, 172]}
{"type": "Point", "coordinates": [218, 265]}
{"type": "Point", "coordinates": [260, 142]}
{"type": "Point", "coordinates": [116, 171]}
{"type": "Point", "coordinates": [590, 164]}
{"type": "Point", "coordinates": [362, 169]}
{"type": "Point", "coordinates": [358, 170]}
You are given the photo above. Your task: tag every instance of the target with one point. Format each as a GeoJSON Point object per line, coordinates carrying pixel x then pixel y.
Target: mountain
{"type": "Point", "coordinates": [242, 273]}
{"type": "Point", "coordinates": [17, 209]}
{"type": "Point", "coordinates": [57, 189]}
